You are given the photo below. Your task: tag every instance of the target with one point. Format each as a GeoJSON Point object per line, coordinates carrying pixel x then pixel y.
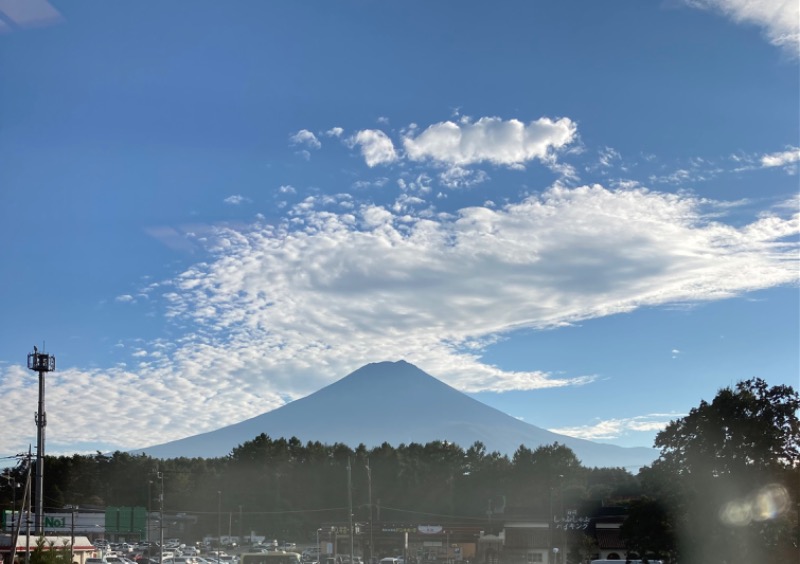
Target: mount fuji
{"type": "Point", "coordinates": [396, 402]}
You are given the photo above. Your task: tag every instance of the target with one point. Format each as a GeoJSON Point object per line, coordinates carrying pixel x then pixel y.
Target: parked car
{"type": "Point", "coordinates": [178, 560]}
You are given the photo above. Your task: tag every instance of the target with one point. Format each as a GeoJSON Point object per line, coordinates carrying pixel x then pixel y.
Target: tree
{"type": "Point", "coordinates": [719, 462]}
{"type": "Point", "coordinates": [751, 430]}
{"type": "Point", "coordinates": [648, 529]}
{"type": "Point", "coordinates": [48, 553]}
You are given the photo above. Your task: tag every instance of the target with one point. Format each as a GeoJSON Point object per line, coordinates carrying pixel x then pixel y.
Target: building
{"type": "Point", "coordinates": [82, 548]}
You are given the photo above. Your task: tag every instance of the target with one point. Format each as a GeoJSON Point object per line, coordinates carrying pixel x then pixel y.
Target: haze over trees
{"type": "Point", "coordinates": [724, 489]}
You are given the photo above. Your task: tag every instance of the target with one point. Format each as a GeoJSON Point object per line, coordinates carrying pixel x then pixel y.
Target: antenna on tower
{"type": "Point", "coordinates": [42, 363]}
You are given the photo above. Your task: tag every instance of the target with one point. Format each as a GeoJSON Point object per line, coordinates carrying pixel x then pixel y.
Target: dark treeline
{"type": "Point", "coordinates": [287, 488]}
{"type": "Point", "coordinates": [725, 487]}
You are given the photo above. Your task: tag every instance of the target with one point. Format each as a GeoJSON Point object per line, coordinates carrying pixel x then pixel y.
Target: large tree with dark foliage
{"type": "Point", "coordinates": [728, 476]}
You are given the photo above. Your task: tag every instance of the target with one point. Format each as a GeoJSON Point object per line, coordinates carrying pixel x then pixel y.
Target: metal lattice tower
{"type": "Point", "coordinates": [42, 363]}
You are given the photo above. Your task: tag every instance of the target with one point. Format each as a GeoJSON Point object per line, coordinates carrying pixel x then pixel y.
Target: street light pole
{"type": "Point", "coordinates": [319, 550]}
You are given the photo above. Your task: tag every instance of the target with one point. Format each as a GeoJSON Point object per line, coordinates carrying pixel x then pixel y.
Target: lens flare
{"type": "Point", "coordinates": [767, 503]}
{"type": "Point", "coordinates": [770, 502]}
{"type": "Point", "coordinates": [736, 513]}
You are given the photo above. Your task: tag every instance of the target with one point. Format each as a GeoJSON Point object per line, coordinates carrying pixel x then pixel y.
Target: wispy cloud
{"type": "Point", "coordinates": [610, 429]}
{"type": "Point", "coordinates": [782, 158]}
{"type": "Point", "coordinates": [306, 138]}
{"type": "Point", "coordinates": [27, 14]}
{"type": "Point", "coordinates": [780, 19]}
{"type": "Point", "coordinates": [235, 199]}
{"type": "Point", "coordinates": [607, 156]}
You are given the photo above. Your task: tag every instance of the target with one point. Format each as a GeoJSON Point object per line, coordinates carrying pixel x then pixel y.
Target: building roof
{"type": "Point", "coordinates": [82, 543]}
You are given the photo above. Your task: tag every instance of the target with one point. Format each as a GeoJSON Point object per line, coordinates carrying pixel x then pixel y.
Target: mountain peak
{"type": "Point", "coordinates": [395, 402]}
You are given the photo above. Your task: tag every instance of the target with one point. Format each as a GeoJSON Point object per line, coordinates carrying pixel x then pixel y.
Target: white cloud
{"type": "Point", "coordinates": [29, 14]}
{"type": "Point", "coordinates": [334, 132]}
{"type": "Point", "coordinates": [608, 156]}
{"type": "Point", "coordinates": [235, 199]}
{"type": "Point", "coordinates": [779, 18]}
{"type": "Point", "coordinates": [376, 147]}
{"type": "Point", "coordinates": [306, 138]}
{"type": "Point", "coordinates": [344, 286]}
{"type": "Point", "coordinates": [782, 158]}
{"type": "Point", "coordinates": [610, 429]}
{"type": "Point", "coordinates": [280, 311]}
{"type": "Point", "coordinates": [125, 298]}
{"type": "Point", "coordinates": [376, 183]}
{"type": "Point", "coordinates": [490, 139]}
{"type": "Point", "coordinates": [459, 177]}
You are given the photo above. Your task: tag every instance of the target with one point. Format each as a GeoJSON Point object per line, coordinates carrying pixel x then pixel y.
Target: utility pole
{"type": "Point", "coordinates": [149, 502]}
{"type": "Point", "coordinates": [42, 363]}
{"type": "Point", "coordinates": [12, 482]}
{"type": "Point", "coordinates": [241, 538]}
{"type": "Point", "coordinates": [72, 544]}
{"type": "Point", "coordinates": [28, 494]}
{"type": "Point", "coordinates": [219, 524]}
{"type": "Point", "coordinates": [18, 523]}
{"type": "Point", "coordinates": [350, 507]}
{"type": "Point", "coordinates": [160, 476]}
{"type": "Point", "coordinates": [369, 493]}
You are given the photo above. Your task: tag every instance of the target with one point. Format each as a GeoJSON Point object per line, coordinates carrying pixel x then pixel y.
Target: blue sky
{"type": "Point", "coordinates": [582, 213]}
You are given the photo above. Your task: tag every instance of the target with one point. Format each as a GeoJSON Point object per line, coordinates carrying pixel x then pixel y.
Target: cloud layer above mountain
{"type": "Point", "coordinates": [339, 286]}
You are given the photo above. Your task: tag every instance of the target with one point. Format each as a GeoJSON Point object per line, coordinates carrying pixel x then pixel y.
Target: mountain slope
{"type": "Point", "coordinates": [395, 402]}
